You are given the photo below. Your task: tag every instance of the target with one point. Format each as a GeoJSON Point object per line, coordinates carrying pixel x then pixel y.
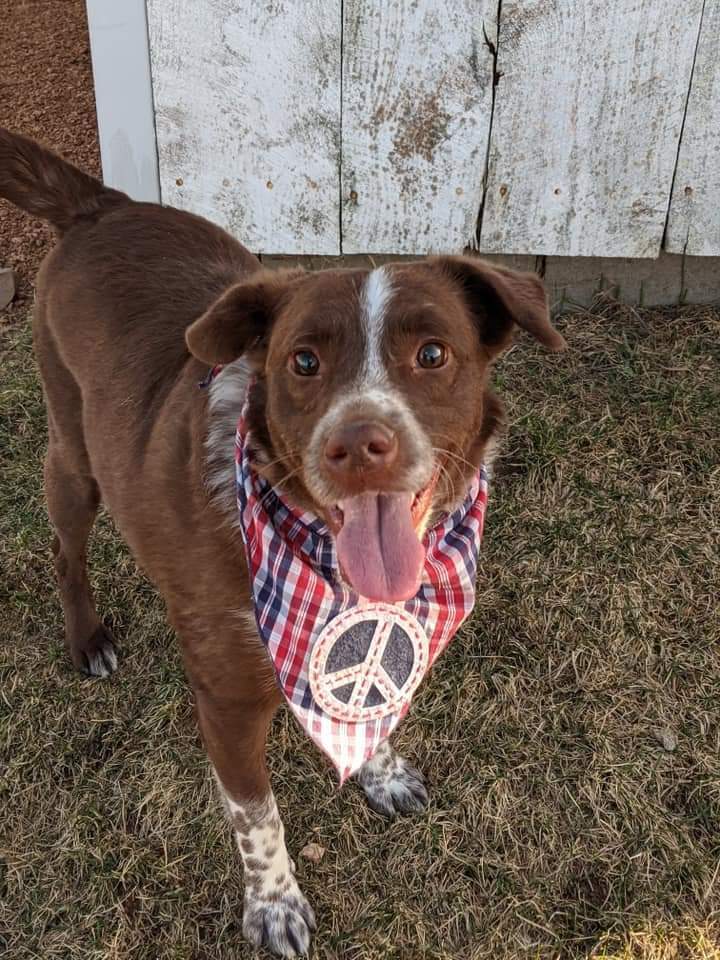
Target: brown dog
{"type": "Point", "coordinates": [368, 404]}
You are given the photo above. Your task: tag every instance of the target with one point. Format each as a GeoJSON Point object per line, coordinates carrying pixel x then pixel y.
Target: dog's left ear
{"type": "Point", "coordinates": [240, 321]}
{"type": "Point", "coordinates": [498, 298]}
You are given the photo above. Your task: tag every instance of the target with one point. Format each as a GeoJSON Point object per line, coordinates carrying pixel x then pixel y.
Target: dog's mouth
{"type": "Point", "coordinates": [379, 541]}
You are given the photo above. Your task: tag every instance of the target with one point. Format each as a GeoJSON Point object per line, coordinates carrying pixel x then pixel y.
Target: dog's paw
{"type": "Point", "coordinates": [393, 787]}
{"type": "Point", "coordinates": [281, 922]}
{"type": "Point", "coordinates": [96, 656]}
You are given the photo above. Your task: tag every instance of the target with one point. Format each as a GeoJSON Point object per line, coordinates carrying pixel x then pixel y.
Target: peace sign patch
{"type": "Point", "coordinates": [368, 662]}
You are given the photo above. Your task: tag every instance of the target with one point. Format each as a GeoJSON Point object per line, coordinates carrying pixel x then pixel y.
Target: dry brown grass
{"type": "Point", "coordinates": [570, 735]}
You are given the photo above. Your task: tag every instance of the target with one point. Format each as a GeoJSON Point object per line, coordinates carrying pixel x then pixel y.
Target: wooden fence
{"type": "Point", "coordinates": [540, 129]}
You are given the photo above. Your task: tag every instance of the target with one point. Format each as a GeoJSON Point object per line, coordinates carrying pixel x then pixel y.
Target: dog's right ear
{"type": "Point", "coordinates": [241, 320]}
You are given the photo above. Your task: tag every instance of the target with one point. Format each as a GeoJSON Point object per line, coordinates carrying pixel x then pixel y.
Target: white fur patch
{"type": "Point", "coordinates": [374, 301]}
{"type": "Point", "coordinates": [225, 402]}
{"type": "Point", "coordinates": [261, 839]}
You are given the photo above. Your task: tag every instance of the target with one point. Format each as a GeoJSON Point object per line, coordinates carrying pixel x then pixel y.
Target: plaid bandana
{"type": "Point", "coordinates": [348, 666]}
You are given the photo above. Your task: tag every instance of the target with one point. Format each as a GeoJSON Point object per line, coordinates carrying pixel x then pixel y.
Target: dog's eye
{"type": "Point", "coordinates": [305, 363]}
{"type": "Point", "coordinates": [431, 356]}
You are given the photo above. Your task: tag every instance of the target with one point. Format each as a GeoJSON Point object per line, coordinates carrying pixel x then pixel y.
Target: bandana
{"type": "Point", "coordinates": [348, 666]}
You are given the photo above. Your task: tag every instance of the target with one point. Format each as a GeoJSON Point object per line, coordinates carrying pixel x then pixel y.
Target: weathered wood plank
{"type": "Point", "coordinates": [417, 95]}
{"type": "Point", "coordinates": [694, 222]}
{"type": "Point", "coordinates": [247, 101]}
{"type": "Point", "coordinates": [588, 112]}
{"type": "Point", "coordinates": [124, 96]}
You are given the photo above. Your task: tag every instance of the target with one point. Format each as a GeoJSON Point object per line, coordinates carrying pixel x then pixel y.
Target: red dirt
{"type": "Point", "coordinates": [46, 92]}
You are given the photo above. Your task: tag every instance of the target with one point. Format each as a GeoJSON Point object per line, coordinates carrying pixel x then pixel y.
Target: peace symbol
{"type": "Point", "coordinates": [368, 662]}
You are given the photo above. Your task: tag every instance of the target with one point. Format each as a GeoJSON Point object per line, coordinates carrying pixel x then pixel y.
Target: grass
{"type": "Point", "coordinates": [570, 734]}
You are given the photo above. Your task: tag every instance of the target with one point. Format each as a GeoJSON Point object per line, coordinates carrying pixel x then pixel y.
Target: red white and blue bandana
{"type": "Point", "coordinates": [348, 666]}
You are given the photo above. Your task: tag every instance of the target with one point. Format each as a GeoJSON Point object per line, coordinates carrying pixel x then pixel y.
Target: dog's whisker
{"type": "Point", "coordinates": [444, 475]}
{"type": "Point", "coordinates": [456, 456]}
{"type": "Point", "coordinates": [281, 460]}
{"type": "Point", "coordinates": [279, 483]}
{"type": "Point", "coordinates": [454, 462]}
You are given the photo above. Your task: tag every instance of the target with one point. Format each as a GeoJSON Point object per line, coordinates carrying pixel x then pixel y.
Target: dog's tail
{"type": "Point", "coordinates": [37, 180]}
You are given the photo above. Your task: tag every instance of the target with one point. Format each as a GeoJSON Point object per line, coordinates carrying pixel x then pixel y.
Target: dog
{"type": "Point", "coordinates": [366, 394]}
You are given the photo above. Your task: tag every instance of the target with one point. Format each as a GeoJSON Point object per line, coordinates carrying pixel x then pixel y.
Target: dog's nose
{"type": "Point", "coordinates": [360, 445]}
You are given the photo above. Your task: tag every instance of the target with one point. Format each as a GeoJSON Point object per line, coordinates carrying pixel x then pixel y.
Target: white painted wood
{"type": "Point", "coordinates": [247, 100]}
{"type": "Point", "coordinates": [417, 94]}
{"type": "Point", "coordinates": [694, 223]}
{"type": "Point", "coordinates": [588, 113]}
{"type": "Point", "coordinates": [123, 95]}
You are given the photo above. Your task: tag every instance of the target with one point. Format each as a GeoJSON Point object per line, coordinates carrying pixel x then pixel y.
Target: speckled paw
{"type": "Point", "coordinates": [398, 789]}
{"type": "Point", "coordinates": [283, 923]}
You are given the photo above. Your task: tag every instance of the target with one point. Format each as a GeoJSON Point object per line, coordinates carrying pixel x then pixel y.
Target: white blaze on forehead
{"type": "Point", "coordinates": [374, 301]}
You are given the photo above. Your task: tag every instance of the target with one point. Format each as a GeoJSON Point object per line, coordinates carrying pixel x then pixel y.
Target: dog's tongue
{"type": "Point", "coordinates": [378, 547]}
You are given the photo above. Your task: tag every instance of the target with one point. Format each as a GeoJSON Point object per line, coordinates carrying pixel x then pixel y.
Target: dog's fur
{"type": "Point", "coordinates": [133, 304]}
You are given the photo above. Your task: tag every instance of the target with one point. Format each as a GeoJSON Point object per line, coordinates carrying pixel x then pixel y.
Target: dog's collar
{"type": "Point", "coordinates": [210, 376]}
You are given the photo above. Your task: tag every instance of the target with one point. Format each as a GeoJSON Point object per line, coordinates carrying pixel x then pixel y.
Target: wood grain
{"type": "Point", "coordinates": [417, 94]}
{"type": "Point", "coordinates": [588, 112]}
{"type": "Point", "coordinates": [247, 102]}
{"type": "Point", "coordinates": [694, 222]}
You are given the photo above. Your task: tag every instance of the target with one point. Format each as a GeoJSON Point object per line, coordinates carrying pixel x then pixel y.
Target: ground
{"type": "Point", "coordinates": [46, 92]}
{"type": "Point", "coordinates": [570, 734]}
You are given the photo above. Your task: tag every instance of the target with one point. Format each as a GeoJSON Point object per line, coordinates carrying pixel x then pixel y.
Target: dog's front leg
{"type": "Point", "coordinates": [276, 914]}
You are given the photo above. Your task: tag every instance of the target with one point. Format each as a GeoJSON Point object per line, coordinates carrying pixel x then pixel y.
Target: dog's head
{"type": "Point", "coordinates": [370, 404]}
